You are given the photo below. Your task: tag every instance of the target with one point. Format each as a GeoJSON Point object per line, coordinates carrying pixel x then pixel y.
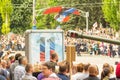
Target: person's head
{"type": "Point", "coordinates": [93, 70]}
{"type": "Point", "coordinates": [17, 56]}
{"type": "Point", "coordinates": [80, 67]}
{"type": "Point", "coordinates": [63, 69]}
{"type": "Point", "coordinates": [111, 69]}
{"type": "Point", "coordinates": [105, 72]}
{"type": "Point", "coordinates": [106, 65]}
{"type": "Point", "coordinates": [8, 63]}
{"type": "Point", "coordinates": [4, 64]}
{"type": "Point", "coordinates": [29, 68]}
{"type": "Point", "coordinates": [66, 63]}
{"type": "Point", "coordinates": [86, 66]}
{"type": "Point", "coordinates": [22, 60]}
{"type": "Point", "coordinates": [54, 57]}
{"type": "Point", "coordinates": [48, 68]}
{"type": "Point", "coordinates": [11, 58]}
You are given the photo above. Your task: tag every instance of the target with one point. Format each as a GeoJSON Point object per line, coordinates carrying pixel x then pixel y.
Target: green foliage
{"type": "Point", "coordinates": [1, 21]}
{"type": "Point", "coordinates": [111, 10]}
{"type": "Point", "coordinates": [21, 17]}
{"type": "Point", "coordinates": [5, 10]}
{"type": "Point", "coordinates": [95, 13]}
{"type": "Point", "coordinates": [46, 21]}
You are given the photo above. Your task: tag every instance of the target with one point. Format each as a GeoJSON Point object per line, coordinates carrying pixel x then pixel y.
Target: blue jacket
{"type": "Point", "coordinates": [63, 76]}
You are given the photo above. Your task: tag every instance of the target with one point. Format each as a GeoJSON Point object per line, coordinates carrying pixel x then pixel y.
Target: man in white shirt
{"type": "Point", "coordinates": [29, 71]}
{"type": "Point", "coordinates": [19, 71]}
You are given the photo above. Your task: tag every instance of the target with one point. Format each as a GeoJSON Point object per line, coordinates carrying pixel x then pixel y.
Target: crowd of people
{"type": "Point", "coordinates": [95, 47]}
{"type": "Point", "coordinates": [12, 42]}
{"type": "Point", "coordinates": [18, 68]}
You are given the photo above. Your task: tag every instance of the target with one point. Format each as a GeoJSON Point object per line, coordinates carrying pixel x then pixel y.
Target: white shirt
{"type": "Point", "coordinates": [28, 76]}
{"type": "Point", "coordinates": [53, 75]}
{"type": "Point", "coordinates": [79, 76]}
{"type": "Point", "coordinates": [19, 71]}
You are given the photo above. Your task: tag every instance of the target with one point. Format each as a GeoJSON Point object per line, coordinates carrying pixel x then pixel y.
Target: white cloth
{"type": "Point", "coordinates": [79, 76]}
{"type": "Point", "coordinates": [53, 75]}
{"type": "Point", "coordinates": [19, 71]}
{"type": "Point", "coordinates": [28, 76]}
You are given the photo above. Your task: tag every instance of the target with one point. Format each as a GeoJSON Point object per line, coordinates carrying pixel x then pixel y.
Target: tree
{"type": "Point", "coordinates": [21, 17]}
{"type": "Point", "coordinates": [45, 21]}
{"type": "Point", "coordinates": [5, 10]}
{"type": "Point", "coordinates": [91, 6]}
{"type": "Point", "coordinates": [111, 10]}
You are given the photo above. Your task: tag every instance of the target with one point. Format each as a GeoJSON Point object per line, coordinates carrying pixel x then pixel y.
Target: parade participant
{"type": "Point", "coordinates": [78, 45]}
{"type": "Point", "coordinates": [29, 71]}
{"type": "Point", "coordinates": [119, 50]}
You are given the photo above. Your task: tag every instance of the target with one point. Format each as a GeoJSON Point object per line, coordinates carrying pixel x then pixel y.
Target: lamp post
{"type": "Point", "coordinates": [87, 15]}
{"type": "Point", "coordinates": [34, 20]}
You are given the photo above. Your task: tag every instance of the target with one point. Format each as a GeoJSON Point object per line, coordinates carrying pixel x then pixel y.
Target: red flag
{"type": "Point", "coordinates": [52, 10]}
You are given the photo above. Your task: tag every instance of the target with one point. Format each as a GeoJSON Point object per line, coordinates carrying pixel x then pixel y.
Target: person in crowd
{"type": "Point", "coordinates": [63, 72]}
{"type": "Point", "coordinates": [112, 76]}
{"type": "Point", "coordinates": [1, 52]}
{"type": "Point", "coordinates": [85, 71]}
{"type": "Point", "coordinates": [19, 70]}
{"type": "Point", "coordinates": [118, 70]}
{"type": "Point", "coordinates": [105, 74]}
{"type": "Point", "coordinates": [13, 65]}
{"type": "Point", "coordinates": [40, 76]}
{"type": "Point", "coordinates": [54, 58]}
{"type": "Point", "coordinates": [106, 65]}
{"type": "Point", "coordinates": [119, 50]}
{"type": "Point", "coordinates": [78, 45]}
{"type": "Point", "coordinates": [48, 71]}
{"type": "Point", "coordinates": [3, 73]}
{"type": "Point", "coordinates": [29, 71]}
{"type": "Point", "coordinates": [4, 66]}
{"type": "Point", "coordinates": [12, 59]}
{"type": "Point", "coordinates": [93, 72]}
{"type": "Point", "coordinates": [79, 74]}
{"type": "Point", "coordinates": [111, 50]}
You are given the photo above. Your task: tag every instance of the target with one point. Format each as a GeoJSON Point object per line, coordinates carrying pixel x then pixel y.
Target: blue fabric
{"type": "Point", "coordinates": [63, 76]}
{"type": "Point", "coordinates": [2, 77]}
{"type": "Point", "coordinates": [65, 13]}
{"type": "Point", "coordinates": [69, 11]}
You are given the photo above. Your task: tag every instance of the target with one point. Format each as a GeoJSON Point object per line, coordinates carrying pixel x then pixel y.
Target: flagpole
{"type": "Point", "coordinates": [34, 20]}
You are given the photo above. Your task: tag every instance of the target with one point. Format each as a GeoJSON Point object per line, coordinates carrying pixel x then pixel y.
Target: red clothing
{"type": "Point", "coordinates": [118, 70]}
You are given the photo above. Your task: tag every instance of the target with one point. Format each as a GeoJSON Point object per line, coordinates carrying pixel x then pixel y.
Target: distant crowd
{"type": "Point", "coordinates": [95, 47]}
{"type": "Point", "coordinates": [12, 42]}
